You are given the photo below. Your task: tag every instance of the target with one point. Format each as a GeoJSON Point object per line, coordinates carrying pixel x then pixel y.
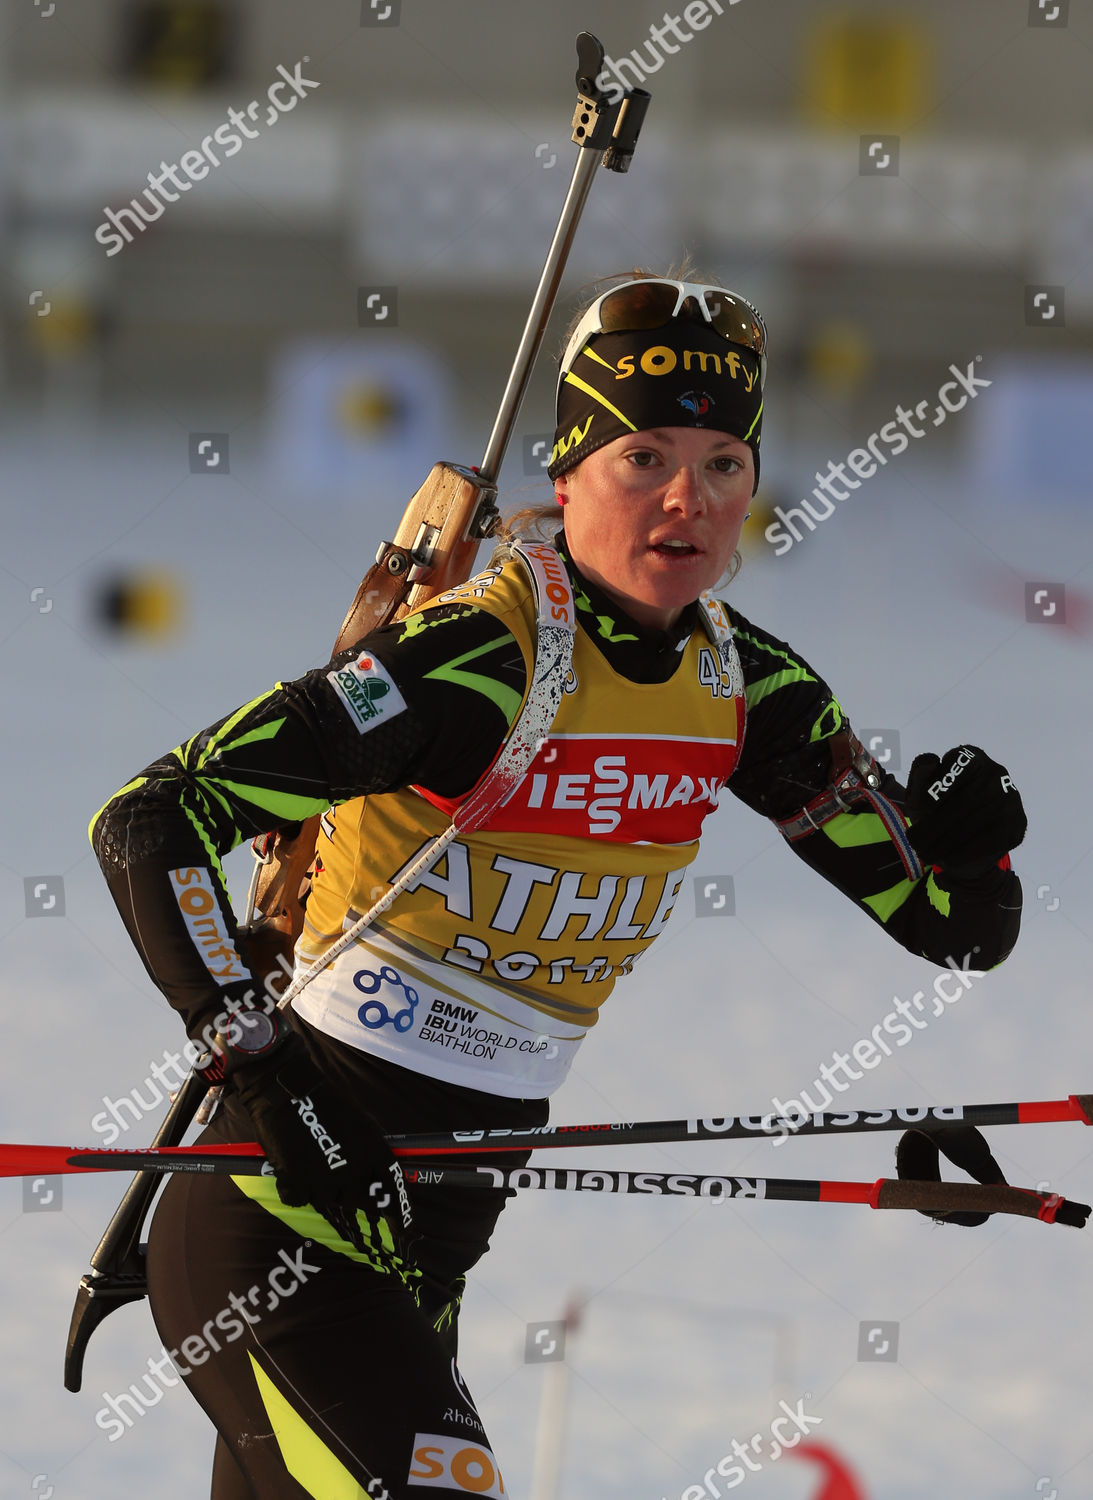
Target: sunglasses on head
{"type": "Point", "coordinates": [637, 306]}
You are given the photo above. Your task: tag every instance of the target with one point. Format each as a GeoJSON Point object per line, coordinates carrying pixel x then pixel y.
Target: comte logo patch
{"type": "Point", "coordinates": [369, 694]}
{"type": "Point", "coordinates": [449, 1463]}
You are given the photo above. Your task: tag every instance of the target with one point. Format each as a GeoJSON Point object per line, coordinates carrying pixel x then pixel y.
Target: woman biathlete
{"type": "Point", "coordinates": [313, 1312]}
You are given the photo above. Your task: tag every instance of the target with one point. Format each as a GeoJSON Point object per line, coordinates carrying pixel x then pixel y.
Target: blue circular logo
{"type": "Point", "coordinates": [374, 1013]}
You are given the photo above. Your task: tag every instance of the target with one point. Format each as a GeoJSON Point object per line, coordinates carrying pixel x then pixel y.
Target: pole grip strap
{"type": "Point", "coordinates": [855, 779]}
{"type": "Point", "coordinates": [975, 1199]}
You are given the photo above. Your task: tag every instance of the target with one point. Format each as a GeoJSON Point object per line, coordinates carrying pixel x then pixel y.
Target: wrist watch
{"type": "Point", "coordinates": [251, 1034]}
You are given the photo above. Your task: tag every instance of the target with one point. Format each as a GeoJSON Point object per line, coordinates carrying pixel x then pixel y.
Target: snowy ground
{"type": "Point", "coordinates": [699, 1316]}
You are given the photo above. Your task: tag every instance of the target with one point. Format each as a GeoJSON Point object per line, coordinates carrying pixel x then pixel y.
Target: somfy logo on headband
{"type": "Point", "coordinates": [624, 382]}
{"type": "Point", "coordinates": [660, 359]}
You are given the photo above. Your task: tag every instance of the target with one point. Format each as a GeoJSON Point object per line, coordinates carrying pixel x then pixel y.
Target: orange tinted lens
{"type": "Point", "coordinates": [645, 304]}
{"type": "Point", "coordinates": [735, 319]}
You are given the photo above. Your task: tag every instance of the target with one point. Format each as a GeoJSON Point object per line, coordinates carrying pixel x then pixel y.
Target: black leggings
{"type": "Point", "coordinates": [319, 1369]}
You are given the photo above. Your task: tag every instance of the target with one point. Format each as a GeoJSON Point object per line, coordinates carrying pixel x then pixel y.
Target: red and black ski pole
{"type": "Point", "coordinates": [246, 1159]}
{"type": "Point", "coordinates": [117, 1273]}
{"type": "Point", "coordinates": [32, 1160]}
{"type": "Point", "coordinates": [1076, 1107]}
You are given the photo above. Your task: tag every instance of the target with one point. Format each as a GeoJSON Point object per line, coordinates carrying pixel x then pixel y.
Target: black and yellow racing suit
{"type": "Point", "coordinates": [350, 1386]}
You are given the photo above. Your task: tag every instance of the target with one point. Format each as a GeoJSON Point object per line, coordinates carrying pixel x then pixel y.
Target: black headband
{"type": "Point", "coordinates": [682, 375]}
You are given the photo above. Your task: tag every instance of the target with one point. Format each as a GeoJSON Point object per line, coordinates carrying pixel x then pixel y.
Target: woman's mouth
{"type": "Point", "coordinates": [674, 547]}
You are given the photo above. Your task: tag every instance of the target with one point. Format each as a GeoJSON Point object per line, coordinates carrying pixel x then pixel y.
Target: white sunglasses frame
{"type": "Point", "coordinates": [590, 321]}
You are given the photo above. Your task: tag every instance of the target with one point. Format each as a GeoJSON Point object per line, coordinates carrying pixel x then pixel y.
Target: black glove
{"type": "Point", "coordinates": [323, 1153]}
{"type": "Point", "coordinates": [965, 811]}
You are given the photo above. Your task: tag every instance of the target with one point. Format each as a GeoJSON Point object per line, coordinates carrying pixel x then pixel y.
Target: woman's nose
{"type": "Point", "coordinates": [684, 491]}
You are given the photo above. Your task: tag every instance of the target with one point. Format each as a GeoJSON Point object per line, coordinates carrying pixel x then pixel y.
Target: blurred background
{"type": "Point", "coordinates": [239, 327]}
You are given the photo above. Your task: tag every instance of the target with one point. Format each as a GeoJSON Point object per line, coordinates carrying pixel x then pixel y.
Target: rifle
{"type": "Point", "coordinates": [433, 549]}
{"type": "Point", "coordinates": [435, 545]}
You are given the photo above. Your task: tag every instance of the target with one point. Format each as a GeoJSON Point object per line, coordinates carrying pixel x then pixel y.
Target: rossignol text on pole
{"type": "Point", "coordinates": [245, 1158]}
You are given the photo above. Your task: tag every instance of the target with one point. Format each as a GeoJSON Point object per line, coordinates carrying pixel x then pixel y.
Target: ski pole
{"type": "Point", "coordinates": [245, 1159]}
{"type": "Point", "coordinates": [925, 1197]}
{"type": "Point", "coordinates": [745, 1127]}
{"type": "Point", "coordinates": [18, 1160]}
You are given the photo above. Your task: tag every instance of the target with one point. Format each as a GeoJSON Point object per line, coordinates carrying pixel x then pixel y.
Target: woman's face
{"type": "Point", "coordinates": [654, 517]}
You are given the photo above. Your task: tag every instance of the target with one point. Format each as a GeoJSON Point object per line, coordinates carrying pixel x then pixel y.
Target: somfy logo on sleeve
{"type": "Point", "coordinates": [451, 1463]}
{"type": "Point", "coordinates": [368, 692]}
{"type": "Point", "coordinates": [205, 923]}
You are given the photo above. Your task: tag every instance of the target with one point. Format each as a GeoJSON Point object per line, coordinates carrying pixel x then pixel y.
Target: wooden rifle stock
{"type": "Point", "coordinates": [434, 549]}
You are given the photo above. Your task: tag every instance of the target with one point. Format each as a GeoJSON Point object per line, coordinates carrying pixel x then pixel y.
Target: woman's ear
{"type": "Point", "coordinates": [560, 494]}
